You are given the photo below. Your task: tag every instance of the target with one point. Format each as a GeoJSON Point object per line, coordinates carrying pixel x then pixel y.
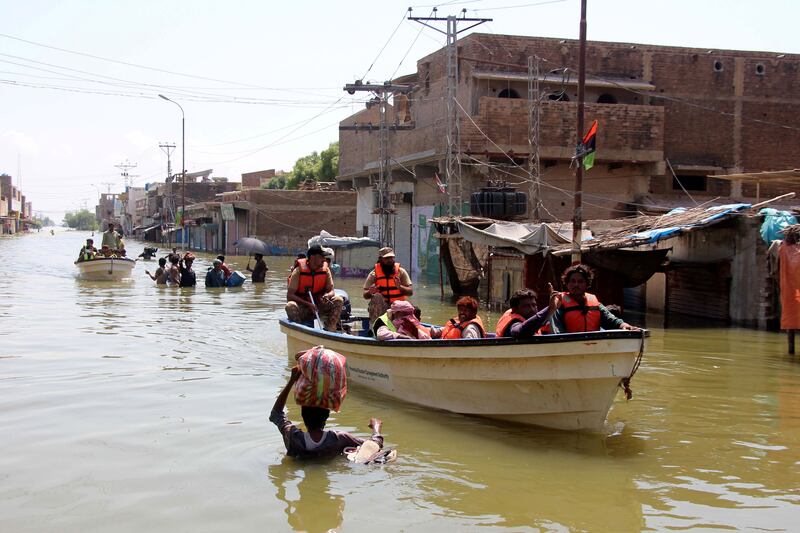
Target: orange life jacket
{"type": "Point", "coordinates": [505, 322]}
{"type": "Point", "coordinates": [453, 329]}
{"type": "Point", "coordinates": [577, 317]}
{"type": "Point", "coordinates": [311, 280]}
{"type": "Point", "coordinates": [386, 284]}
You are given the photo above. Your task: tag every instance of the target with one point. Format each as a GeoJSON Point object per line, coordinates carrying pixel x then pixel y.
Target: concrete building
{"type": "Point", "coordinates": [285, 219]}
{"type": "Point", "coordinates": [159, 204]}
{"type": "Point", "coordinates": [108, 210]}
{"type": "Point", "coordinates": [668, 117]}
{"type": "Point", "coordinates": [131, 218]}
{"type": "Point", "coordinates": [13, 216]}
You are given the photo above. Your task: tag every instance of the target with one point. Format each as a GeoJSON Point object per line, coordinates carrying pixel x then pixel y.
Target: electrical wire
{"type": "Point", "coordinates": [402, 19]}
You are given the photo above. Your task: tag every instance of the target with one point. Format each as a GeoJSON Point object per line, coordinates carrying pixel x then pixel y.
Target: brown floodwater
{"type": "Point", "coordinates": [129, 407]}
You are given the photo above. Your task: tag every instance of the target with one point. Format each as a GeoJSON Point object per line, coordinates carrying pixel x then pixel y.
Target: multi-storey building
{"type": "Point", "coordinates": [668, 118]}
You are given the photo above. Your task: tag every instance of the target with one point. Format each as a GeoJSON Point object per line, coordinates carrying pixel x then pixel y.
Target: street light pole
{"type": "Point", "coordinates": [183, 169]}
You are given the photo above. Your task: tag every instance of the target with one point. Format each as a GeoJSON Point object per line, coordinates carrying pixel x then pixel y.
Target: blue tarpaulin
{"type": "Point", "coordinates": [715, 213]}
{"type": "Point", "coordinates": [774, 222]}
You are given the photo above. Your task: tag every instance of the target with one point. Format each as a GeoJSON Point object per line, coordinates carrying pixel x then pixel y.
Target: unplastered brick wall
{"type": "Point", "coordinates": [505, 122]}
{"type": "Point", "coordinates": [289, 218]}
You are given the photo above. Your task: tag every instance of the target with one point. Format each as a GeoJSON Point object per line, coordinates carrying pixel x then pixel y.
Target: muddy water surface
{"type": "Point", "coordinates": [128, 407]}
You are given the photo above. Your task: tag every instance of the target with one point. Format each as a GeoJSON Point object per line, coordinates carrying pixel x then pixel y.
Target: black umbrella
{"type": "Point", "coordinates": [251, 245]}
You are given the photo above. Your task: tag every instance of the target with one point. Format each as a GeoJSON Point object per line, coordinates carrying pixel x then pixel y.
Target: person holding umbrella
{"type": "Point", "coordinates": [259, 272]}
{"type": "Point", "coordinates": [258, 248]}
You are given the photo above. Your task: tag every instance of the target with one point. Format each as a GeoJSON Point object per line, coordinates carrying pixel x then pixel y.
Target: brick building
{"type": "Point", "coordinates": [255, 180]}
{"type": "Point", "coordinates": [16, 212]}
{"type": "Point", "coordinates": [694, 112]}
{"type": "Point", "coordinates": [286, 219]}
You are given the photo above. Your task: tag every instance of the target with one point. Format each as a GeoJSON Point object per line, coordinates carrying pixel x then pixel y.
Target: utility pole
{"type": "Point", "coordinates": [534, 107]}
{"type": "Point", "coordinates": [128, 180]}
{"type": "Point", "coordinates": [452, 162]}
{"type": "Point", "coordinates": [382, 92]}
{"type": "Point", "coordinates": [124, 167]}
{"type": "Point", "coordinates": [167, 148]}
{"type": "Point", "coordinates": [577, 215]}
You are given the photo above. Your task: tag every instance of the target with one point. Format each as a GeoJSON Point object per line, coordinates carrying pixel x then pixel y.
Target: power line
{"type": "Point", "coordinates": [155, 69]}
{"type": "Point", "coordinates": [402, 19]}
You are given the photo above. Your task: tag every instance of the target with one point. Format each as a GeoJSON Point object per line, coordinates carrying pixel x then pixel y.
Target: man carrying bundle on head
{"type": "Point", "coordinates": [310, 292]}
{"type": "Point", "coordinates": [387, 283]}
{"type": "Point", "coordinates": [320, 381]}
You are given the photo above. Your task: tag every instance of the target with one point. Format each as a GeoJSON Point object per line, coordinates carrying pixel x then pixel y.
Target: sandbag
{"type": "Point", "coordinates": [323, 379]}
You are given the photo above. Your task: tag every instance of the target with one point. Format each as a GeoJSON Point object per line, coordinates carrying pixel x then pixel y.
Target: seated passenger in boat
{"type": "Point", "coordinates": [580, 310]}
{"type": "Point", "coordinates": [88, 251]}
{"type": "Point", "coordinates": [524, 319]}
{"type": "Point", "coordinates": [386, 283]}
{"type": "Point", "coordinates": [106, 252]}
{"type": "Point", "coordinates": [399, 322]}
{"type": "Point", "coordinates": [313, 276]}
{"type": "Point", "coordinates": [316, 442]}
{"type": "Point", "coordinates": [467, 325]}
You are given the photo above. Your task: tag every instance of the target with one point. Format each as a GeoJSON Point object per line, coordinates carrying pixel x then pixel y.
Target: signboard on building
{"type": "Point", "coordinates": [227, 211]}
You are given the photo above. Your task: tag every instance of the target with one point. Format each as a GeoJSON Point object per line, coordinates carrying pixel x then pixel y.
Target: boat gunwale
{"type": "Point", "coordinates": [493, 341]}
{"type": "Point", "coordinates": [104, 259]}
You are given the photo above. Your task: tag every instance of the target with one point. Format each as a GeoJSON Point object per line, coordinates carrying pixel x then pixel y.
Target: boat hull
{"type": "Point", "coordinates": [110, 269]}
{"type": "Point", "coordinates": [558, 381]}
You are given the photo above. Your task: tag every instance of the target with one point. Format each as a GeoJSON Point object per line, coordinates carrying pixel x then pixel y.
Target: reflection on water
{"type": "Point", "coordinates": [131, 407]}
{"type": "Point", "coordinates": [305, 489]}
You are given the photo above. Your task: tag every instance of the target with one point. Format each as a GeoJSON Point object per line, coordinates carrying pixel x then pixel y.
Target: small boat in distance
{"type": "Point", "coordinates": [564, 381]}
{"type": "Point", "coordinates": [105, 268]}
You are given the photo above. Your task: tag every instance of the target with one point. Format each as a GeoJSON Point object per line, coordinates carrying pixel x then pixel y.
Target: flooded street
{"type": "Point", "coordinates": [129, 407]}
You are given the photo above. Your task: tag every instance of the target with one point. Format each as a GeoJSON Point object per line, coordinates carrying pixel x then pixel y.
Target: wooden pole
{"type": "Point", "coordinates": [441, 269]}
{"type": "Point", "coordinates": [577, 215]}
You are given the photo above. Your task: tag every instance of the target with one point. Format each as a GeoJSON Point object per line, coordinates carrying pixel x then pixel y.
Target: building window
{"type": "Point", "coordinates": [718, 66]}
{"type": "Point", "coordinates": [760, 69]}
{"type": "Point", "coordinates": [606, 98]}
{"type": "Point", "coordinates": [558, 96]}
{"type": "Point", "coordinates": [690, 183]}
{"type": "Point", "coordinates": [508, 93]}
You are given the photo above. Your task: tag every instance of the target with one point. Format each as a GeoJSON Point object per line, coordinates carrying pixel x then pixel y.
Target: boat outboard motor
{"type": "Point", "coordinates": [347, 310]}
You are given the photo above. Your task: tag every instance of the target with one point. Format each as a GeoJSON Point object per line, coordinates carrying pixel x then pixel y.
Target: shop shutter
{"type": "Point", "coordinates": [701, 290]}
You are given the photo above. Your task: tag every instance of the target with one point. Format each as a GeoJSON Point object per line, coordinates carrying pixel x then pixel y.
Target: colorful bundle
{"type": "Point", "coordinates": [323, 380]}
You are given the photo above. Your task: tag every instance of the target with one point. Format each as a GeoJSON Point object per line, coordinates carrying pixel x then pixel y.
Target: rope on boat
{"type": "Point", "coordinates": [625, 383]}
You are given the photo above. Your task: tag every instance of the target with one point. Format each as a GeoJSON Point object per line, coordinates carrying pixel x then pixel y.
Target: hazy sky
{"type": "Point", "coordinates": [260, 81]}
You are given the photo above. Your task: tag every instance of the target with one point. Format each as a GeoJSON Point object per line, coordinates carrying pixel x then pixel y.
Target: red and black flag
{"type": "Point", "coordinates": [588, 146]}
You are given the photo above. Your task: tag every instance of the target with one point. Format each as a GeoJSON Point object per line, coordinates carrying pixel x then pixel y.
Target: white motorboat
{"type": "Point", "coordinates": [564, 381]}
{"type": "Point", "coordinates": [105, 268]}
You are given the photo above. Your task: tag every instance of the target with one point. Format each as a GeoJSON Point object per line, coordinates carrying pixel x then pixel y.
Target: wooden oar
{"type": "Point", "coordinates": [316, 311]}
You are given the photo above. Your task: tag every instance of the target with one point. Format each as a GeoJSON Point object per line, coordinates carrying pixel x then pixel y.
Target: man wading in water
{"type": "Point", "coordinates": [317, 442]}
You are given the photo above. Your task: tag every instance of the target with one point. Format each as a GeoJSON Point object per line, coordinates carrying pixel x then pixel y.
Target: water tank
{"type": "Point", "coordinates": [498, 202]}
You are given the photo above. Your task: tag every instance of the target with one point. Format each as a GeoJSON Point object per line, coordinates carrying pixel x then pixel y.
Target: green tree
{"type": "Point", "coordinates": [277, 182]}
{"type": "Point", "coordinates": [323, 166]}
{"type": "Point", "coordinates": [329, 163]}
{"type": "Point", "coordinates": [81, 220]}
